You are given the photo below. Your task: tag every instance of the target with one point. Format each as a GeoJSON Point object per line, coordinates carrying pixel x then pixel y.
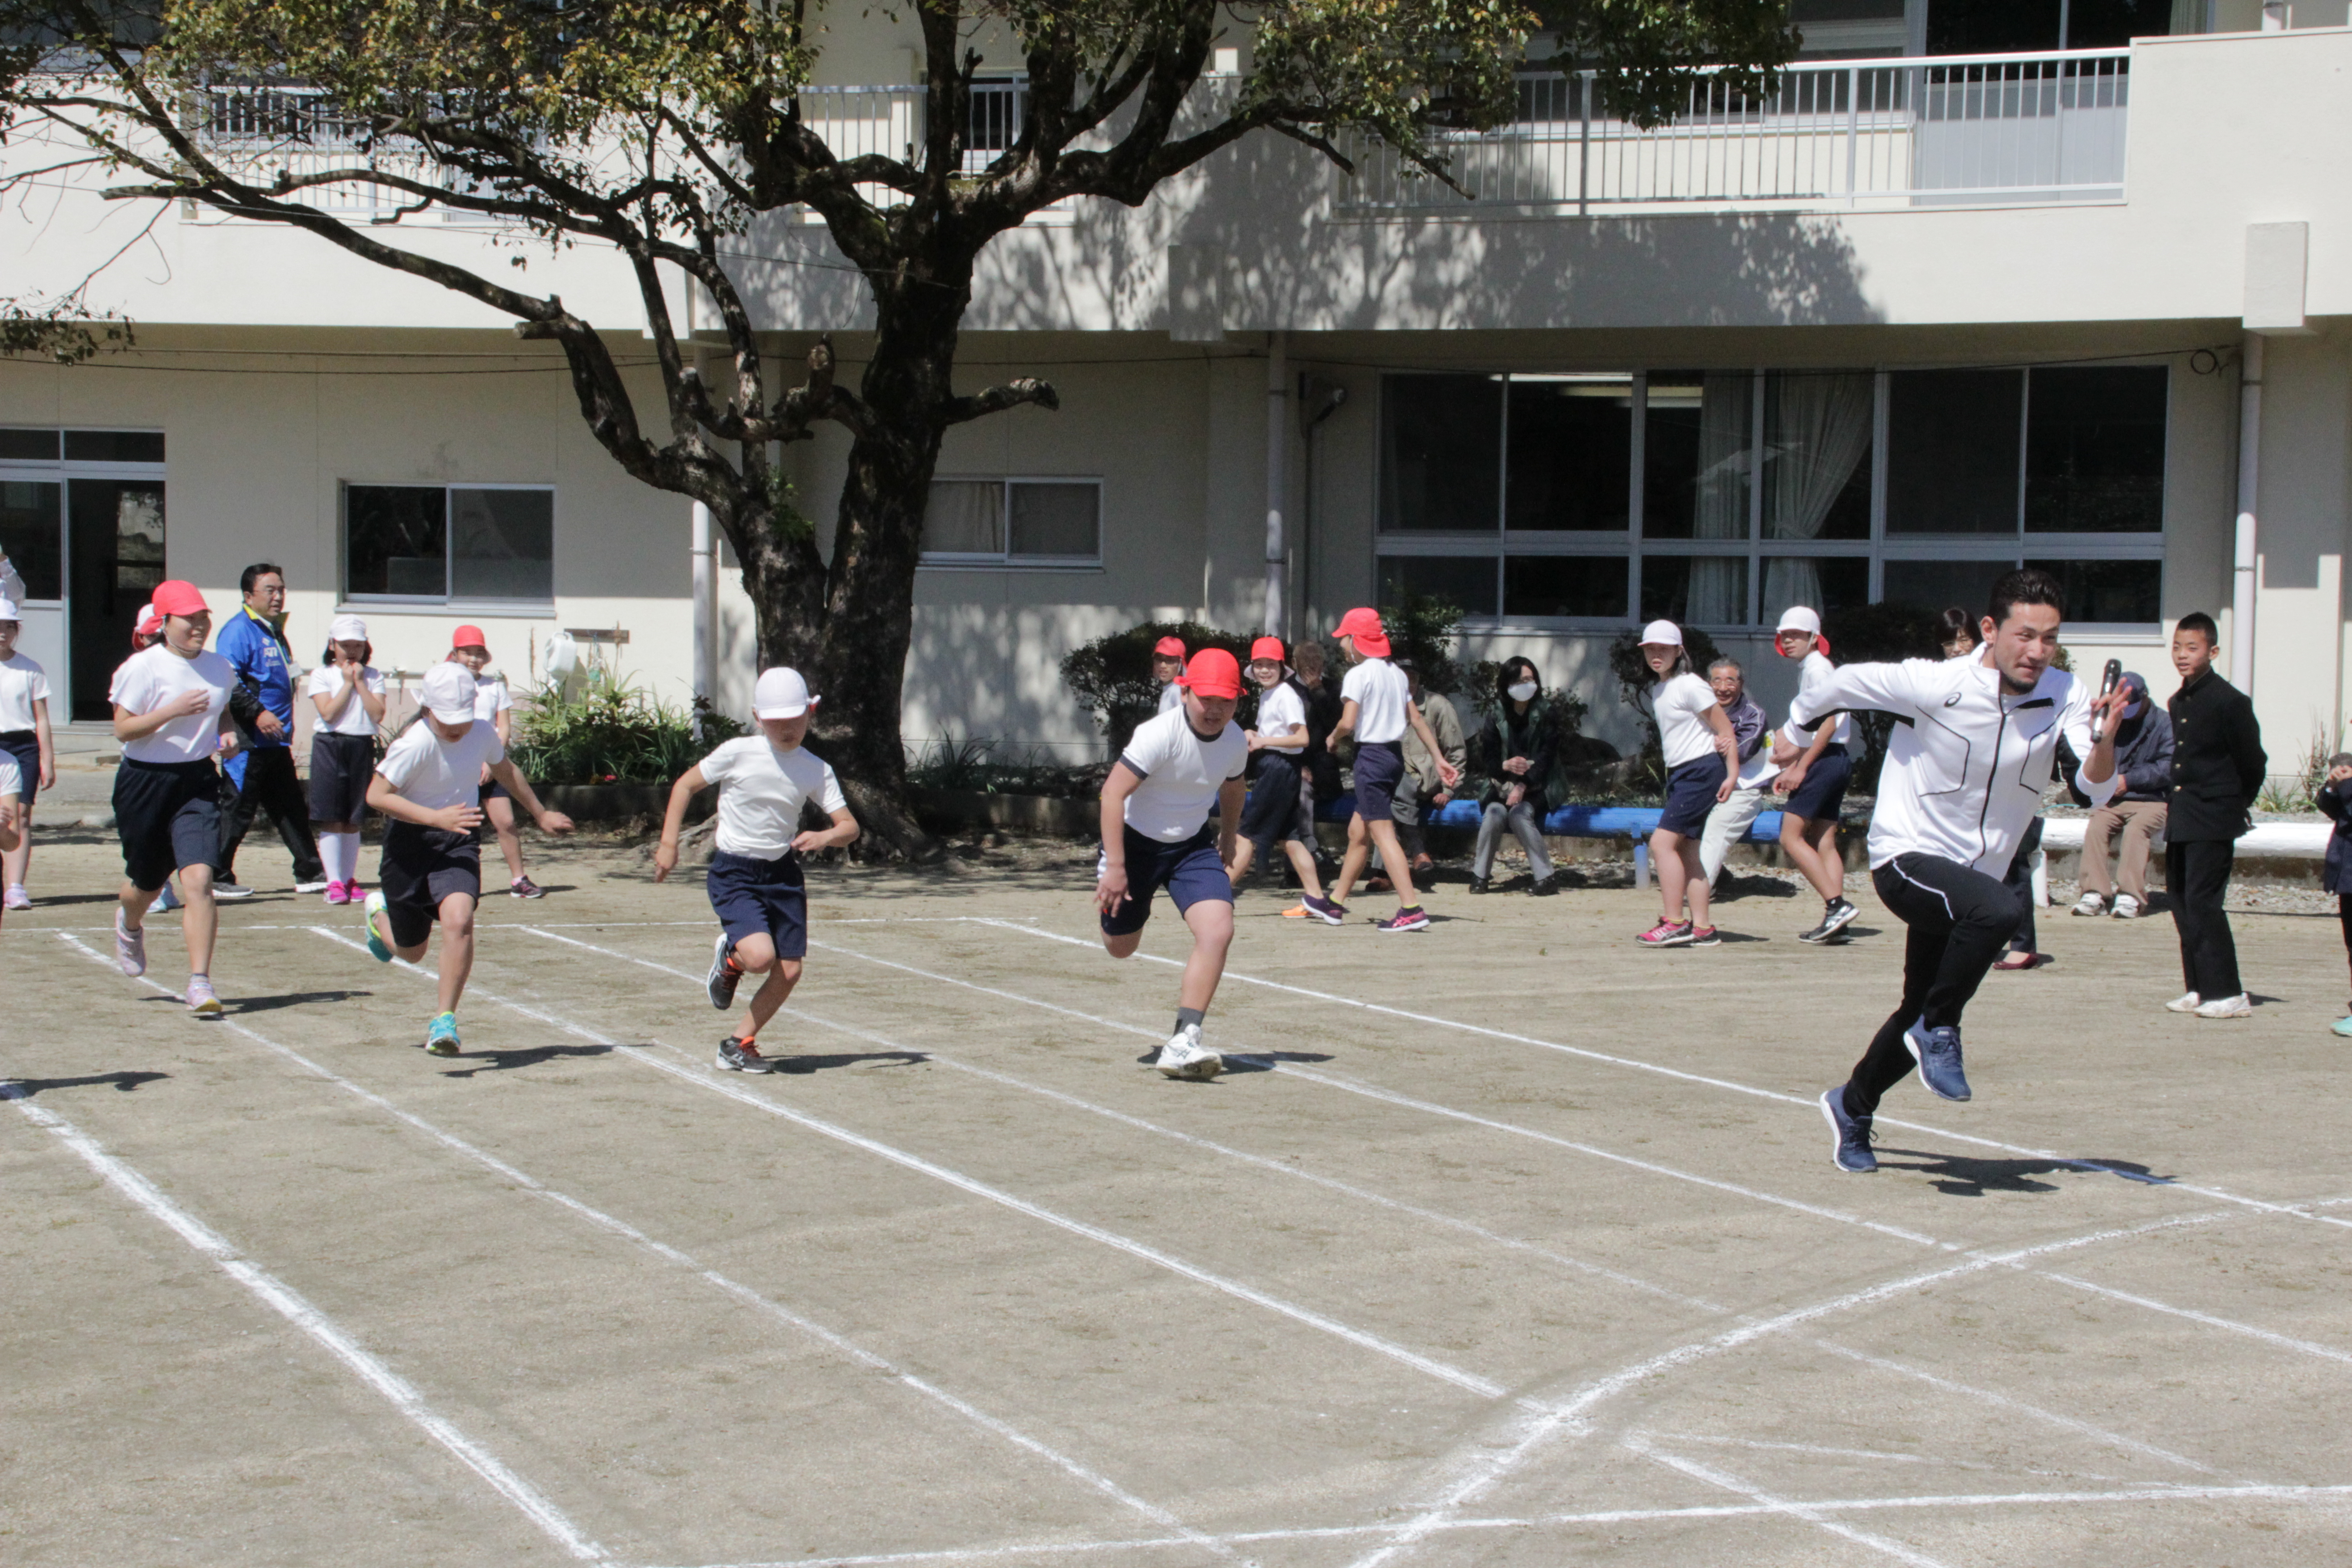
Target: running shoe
{"type": "Point", "coordinates": [201, 1002]}
{"type": "Point", "coordinates": [2343, 1026]}
{"type": "Point", "coordinates": [1412, 918]}
{"type": "Point", "coordinates": [2127, 908]}
{"type": "Point", "coordinates": [169, 899]}
{"type": "Point", "coordinates": [2092, 904]}
{"type": "Point", "coordinates": [2238, 1006]}
{"type": "Point", "coordinates": [315, 885]}
{"type": "Point", "coordinates": [1850, 1135]}
{"type": "Point", "coordinates": [130, 947]}
{"type": "Point", "coordinates": [1323, 910]}
{"type": "Point", "coordinates": [1666, 933]}
{"type": "Point", "coordinates": [1937, 1052]}
{"type": "Point", "coordinates": [738, 1055]}
{"type": "Point", "coordinates": [378, 948]}
{"type": "Point", "coordinates": [524, 888]}
{"type": "Point", "coordinates": [1184, 1057]}
{"type": "Point", "coordinates": [441, 1035]}
{"type": "Point", "coordinates": [17, 898]}
{"type": "Point", "coordinates": [339, 892]}
{"type": "Point", "coordinates": [229, 892]}
{"type": "Point", "coordinates": [1705, 936]}
{"type": "Point", "coordinates": [724, 976]}
{"type": "Point", "coordinates": [2187, 1002]}
{"type": "Point", "coordinates": [1836, 915]}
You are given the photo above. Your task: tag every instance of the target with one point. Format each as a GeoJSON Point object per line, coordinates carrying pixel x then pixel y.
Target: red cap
{"type": "Point", "coordinates": [1266, 648]}
{"type": "Point", "coordinates": [178, 598]}
{"type": "Point", "coordinates": [150, 624]}
{"type": "Point", "coordinates": [469, 637]}
{"type": "Point", "coordinates": [1168, 647]}
{"type": "Point", "coordinates": [1214, 672]}
{"type": "Point", "coordinates": [1364, 625]}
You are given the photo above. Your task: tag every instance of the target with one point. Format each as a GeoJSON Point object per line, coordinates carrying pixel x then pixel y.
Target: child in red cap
{"type": "Point", "coordinates": [494, 705]}
{"type": "Point", "coordinates": [1167, 664]}
{"type": "Point", "coordinates": [1281, 799]}
{"type": "Point", "coordinates": [1156, 834]}
{"type": "Point", "coordinates": [1377, 706]}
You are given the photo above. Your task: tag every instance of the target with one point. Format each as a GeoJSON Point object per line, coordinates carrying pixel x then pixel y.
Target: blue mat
{"type": "Point", "coordinates": [1564, 822]}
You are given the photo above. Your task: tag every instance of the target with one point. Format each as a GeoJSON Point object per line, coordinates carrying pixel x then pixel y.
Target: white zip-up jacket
{"type": "Point", "coordinates": [1968, 761]}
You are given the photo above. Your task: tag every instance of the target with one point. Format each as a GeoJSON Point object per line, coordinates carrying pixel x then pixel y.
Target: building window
{"type": "Point", "coordinates": [32, 533]}
{"type": "Point", "coordinates": [492, 544]}
{"type": "Point", "coordinates": [47, 475]}
{"type": "Point", "coordinates": [1721, 497]}
{"type": "Point", "coordinates": [1027, 523]}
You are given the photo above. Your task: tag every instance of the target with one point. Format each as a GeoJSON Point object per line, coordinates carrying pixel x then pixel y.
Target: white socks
{"type": "Point", "coordinates": [341, 851]}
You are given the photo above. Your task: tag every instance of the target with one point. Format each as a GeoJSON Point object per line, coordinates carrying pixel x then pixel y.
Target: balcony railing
{"type": "Point", "coordinates": [1841, 133]}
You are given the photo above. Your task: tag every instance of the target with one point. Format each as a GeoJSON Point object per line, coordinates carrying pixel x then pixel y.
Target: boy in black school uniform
{"type": "Point", "coordinates": [2218, 767]}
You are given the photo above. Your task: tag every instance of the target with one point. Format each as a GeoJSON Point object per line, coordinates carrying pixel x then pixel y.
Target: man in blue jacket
{"type": "Point", "coordinates": [2144, 758]}
{"type": "Point", "coordinates": [263, 706]}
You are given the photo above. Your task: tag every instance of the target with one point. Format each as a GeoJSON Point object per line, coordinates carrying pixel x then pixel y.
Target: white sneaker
{"type": "Point", "coordinates": [17, 898]}
{"type": "Point", "coordinates": [2126, 906]}
{"type": "Point", "coordinates": [2237, 1006]}
{"type": "Point", "coordinates": [2187, 1002]}
{"type": "Point", "coordinates": [2092, 904]}
{"type": "Point", "coordinates": [169, 899]}
{"type": "Point", "coordinates": [316, 885]}
{"type": "Point", "coordinates": [229, 892]}
{"type": "Point", "coordinates": [1184, 1057]}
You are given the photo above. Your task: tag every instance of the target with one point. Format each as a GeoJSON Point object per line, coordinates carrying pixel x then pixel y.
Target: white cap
{"type": "Point", "coordinates": [449, 693]}
{"type": "Point", "coordinates": [1664, 634]}
{"type": "Point", "coordinates": [8, 609]}
{"type": "Point", "coordinates": [781, 694]}
{"type": "Point", "coordinates": [347, 628]}
{"type": "Point", "coordinates": [1800, 618]}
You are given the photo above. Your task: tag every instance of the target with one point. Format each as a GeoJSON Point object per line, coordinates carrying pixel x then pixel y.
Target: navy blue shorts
{"type": "Point", "coordinates": [1822, 794]}
{"type": "Point", "coordinates": [1690, 795]}
{"type": "Point", "coordinates": [1379, 765]}
{"type": "Point", "coordinates": [760, 897]}
{"type": "Point", "coordinates": [1190, 870]}
{"type": "Point", "coordinates": [342, 768]}
{"type": "Point", "coordinates": [420, 867]}
{"type": "Point", "coordinates": [24, 746]}
{"type": "Point", "coordinates": [167, 816]}
{"type": "Point", "coordinates": [1276, 809]}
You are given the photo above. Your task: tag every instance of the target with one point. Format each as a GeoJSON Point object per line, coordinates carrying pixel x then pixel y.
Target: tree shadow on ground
{"type": "Point", "coordinates": [1968, 1176]}
{"type": "Point", "coordinates": [529, 1055]}
{"type": "Point", "coordinates": [125, 1082]}
{"type": "Point", "coordinates": [807, 1063]}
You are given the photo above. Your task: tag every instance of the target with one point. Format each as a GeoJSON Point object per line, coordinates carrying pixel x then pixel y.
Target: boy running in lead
{"type": "Point", "coordinates": [1961, 780]}
{"type": "Point", "coordinates": [755, 881]}
{"type": "Point", "coordinates": [1156, 834]}
{"type": "Point", "coordinates": [1376, 704]}
{"type": "Point", "coordinates": [429, 784]}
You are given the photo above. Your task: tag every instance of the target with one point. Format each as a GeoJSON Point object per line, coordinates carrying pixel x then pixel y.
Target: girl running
{"type": "Point", "coordinates": [171, 708]}
{"type": "Point", "coordinates": [1376, 704]}
{"type": "Point", "coordinates": [494, 705]}
{"type": "Point", "coordinates": [1702, 757]}
{"type": "Point", "coordinates": [25, 741]}
{"type": "Point", "coordinates": [348, 694]}
{"type": "Point", "coordinates": [431, 869]}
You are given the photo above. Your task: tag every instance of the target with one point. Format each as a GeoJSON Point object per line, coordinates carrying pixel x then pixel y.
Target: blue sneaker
{"type": "Point", "coordinates": [1937, 1052]}
{"type": "Point", "coordinates": [720, 982]}
{"type": "Point", "coordinates": [379, 949]}
{"type": "Point", "coordinates": [2343, 1026]}
{"type": "Point", "coordinates": [441, 1035]}
{"type": "Point", "coordinates": [1851, 1150]}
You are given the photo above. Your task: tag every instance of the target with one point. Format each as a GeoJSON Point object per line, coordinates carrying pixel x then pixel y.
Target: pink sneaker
{"type": "Point", "coordinates": [1667, 933]}
{"type": "Point", "coordinates": [339, 892]}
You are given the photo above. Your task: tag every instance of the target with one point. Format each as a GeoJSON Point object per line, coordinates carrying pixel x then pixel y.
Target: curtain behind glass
{"type": "Point", "coordinates": [965, 516]}
{"type": "Point", "coordinates": [1718, 588]}
{"type": "Point", "coordinates": [1821, 433]}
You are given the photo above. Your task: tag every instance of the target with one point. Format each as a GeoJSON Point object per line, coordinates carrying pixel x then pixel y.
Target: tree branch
{"type": "Point", "coordinates": [996, 399]}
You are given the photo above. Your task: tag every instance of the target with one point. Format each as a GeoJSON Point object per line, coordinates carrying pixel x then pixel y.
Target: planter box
{"type": "Point", "coordinates": [619, 802]}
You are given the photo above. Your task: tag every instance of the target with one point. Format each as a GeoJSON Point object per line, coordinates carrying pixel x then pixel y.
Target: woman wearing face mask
{"type": "Point", "coordinates": [1517, 748]}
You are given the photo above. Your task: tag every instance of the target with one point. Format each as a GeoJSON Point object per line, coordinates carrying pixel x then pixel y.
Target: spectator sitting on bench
{"type": "Point", "coordinates": [2144, 758]}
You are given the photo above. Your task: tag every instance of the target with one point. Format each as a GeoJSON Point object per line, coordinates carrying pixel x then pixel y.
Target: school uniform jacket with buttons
{"type": "Point", "coordinates": [2218, 763]}
{"type": "Point", "coordinates": [1967, 760]}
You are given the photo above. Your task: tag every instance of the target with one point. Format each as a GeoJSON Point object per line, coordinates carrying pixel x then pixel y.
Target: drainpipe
{"type": "Point", "coordinates": [1277, 481]}
{"type": "Point", "coordinates": [2242, 577]}
{"type": "Point", "coordinates": [706, 592]}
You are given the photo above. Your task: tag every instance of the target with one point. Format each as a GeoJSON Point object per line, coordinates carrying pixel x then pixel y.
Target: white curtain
{"type": "Point", "coordinates": [1718, 586]}
{"type": "Point", "coordinates": [1820, 431]}
{"type": "Point", "coordinates": [965, 516]}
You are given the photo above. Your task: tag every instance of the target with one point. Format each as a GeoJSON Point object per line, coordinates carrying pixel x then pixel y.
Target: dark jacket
{"type": "Point", "coordinates": [2143, 758]}
{"type": "Point", "coordinates": [2218, 763]}
{"type": "Point", "coordinates": [2337, 876]}
{"type": "Point", "coordinates": [1535, 735]}
{"type": "Point", "coordinates": [1323, 710]}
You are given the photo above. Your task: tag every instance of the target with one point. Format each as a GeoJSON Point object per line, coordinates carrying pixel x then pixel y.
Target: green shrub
{"type": "Point", "coordinates": [1422, 631]}
{"type": "Point", "coordinates": [613, 734]}
{"type": "Point", "coordinates": [949, 762]}
{"type": "Point", "coordinates": [1111, 675]}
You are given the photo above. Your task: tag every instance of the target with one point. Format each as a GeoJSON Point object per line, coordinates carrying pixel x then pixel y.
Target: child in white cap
{"type": "Point", "coordinates": [25, 742]}
{"type": "Point", "coordinates": [348, 692]}
{"type": "Point", "coordinates": [1813, 776]}
{"type": "Point", "coordinates": [1702, 757]}
{"type": "Point", "coordinates": [429, 784]}
{"type": "Point", "coordinates": [755, 882]}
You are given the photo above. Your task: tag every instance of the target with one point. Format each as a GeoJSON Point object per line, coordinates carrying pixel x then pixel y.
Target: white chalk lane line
{"type": "Point", "coordinates": [846, 1347]}
{"type": "Point", "coordinates": [1484, 1388]}
{"type": "Point", "coordinates": [323, 1330]}
{"type": "Point", "coordinates": [1718, 1476]}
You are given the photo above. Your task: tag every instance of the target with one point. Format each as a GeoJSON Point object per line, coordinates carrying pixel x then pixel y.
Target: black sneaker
{"type": "Point", "coordinates": [736, 1055]}
{"type": "Point", "coordinates": [723, 977]}
{"type": "Point", "coordinates": [1937, 1052]}
{"type": "Point", "coordinates": [1836, 915]}
{"type": "Point", "coordinates": [1480, 885]}
{"type": "Point", "coordinates": [1545, 887]}
{"type": "Point", "coordinates": [1851, 1147]}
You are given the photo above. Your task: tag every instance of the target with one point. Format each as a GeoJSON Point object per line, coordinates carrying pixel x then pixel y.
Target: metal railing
{"type": "Point", "coordinates": [1880, 133]}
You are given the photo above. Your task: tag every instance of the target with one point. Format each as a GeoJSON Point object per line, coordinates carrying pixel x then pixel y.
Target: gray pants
{"type": "Point", "coordinates": [1521, 821]}
{"type": "Point", "coordinates": [1726, 826]}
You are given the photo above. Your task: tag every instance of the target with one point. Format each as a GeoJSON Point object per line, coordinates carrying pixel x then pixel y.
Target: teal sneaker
{"type": "Point", "coordinates": [378, 948]}
{"type": "Point", "coordinates": [441, 1035]}
{"type": "Point", "coordinates": [2343, 1026]}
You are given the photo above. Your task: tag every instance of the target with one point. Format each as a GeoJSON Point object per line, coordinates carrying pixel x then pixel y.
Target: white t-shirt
{"type": "Point", "coordinates": [22, 684]}
{"type": "Point", "coordinates": [1181, 774]}
{"type": "Point", "coordinates": [760, 791]}
{"type": "Point", "coordinates": [433, 772]}
{"type": "Point", "coordinates": [1172, 696]}
{"type": "Point", "coordinates": [1814, 671]}
{"type": "Point", "coordinates": [327, 682]}
{"type": "Point", "coordinates": [148, 681]}
{"type": "Point", "coordinates": [1683, 731]}
{"type": "Point", "coordinates": [491, 697]}
{"type": "Point", "coordinates": [1379, 691]}
{"type": "Point", "coordinates": [1279, 711]}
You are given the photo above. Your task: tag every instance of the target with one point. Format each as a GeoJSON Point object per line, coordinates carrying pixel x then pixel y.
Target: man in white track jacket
{"type": "Point", "coordinates": [1971, 750]}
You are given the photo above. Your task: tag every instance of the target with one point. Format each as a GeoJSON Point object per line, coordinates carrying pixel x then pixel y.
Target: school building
{"type": "Point", "coordinates": [2070, 290]}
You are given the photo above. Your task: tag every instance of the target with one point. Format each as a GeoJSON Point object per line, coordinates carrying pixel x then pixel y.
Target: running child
{"type": "Point", "coordinates": [1702, 757]}
{"type": "Point", "coordinates": [1279, 810]}
{"type": "Point", "coordinates": [171, 709]}
{"type": "Point", "coordinates": [756, 884]}
{"type": "Point", "coordinates": [1376, 705]}
{"type": "Point", "coordinates": [1814, 776]}
{"type": "Point", "coordinates": [431, 869]}
{"type": "Point", "coordinates": [1156, 834]}
{"type": "Point", "coordinates": [494, 705]}
{"type": "Point", "coordinates": [348, 692]}
{"type": "Point", "coordinates": [25, 741]}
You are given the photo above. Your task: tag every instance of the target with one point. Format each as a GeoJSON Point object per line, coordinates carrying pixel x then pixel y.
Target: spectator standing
{"type": "Point", "coordinates": [494, 705]}
{"type": "Point", "coordinates": [2335, 799]}
{"type": "Point", "coordinates": [1167, 664]}
{"type": "Point", "coordinates": [2218, 767]}
{"type": "Point", "coordinates": [1519, 754]}
{"type": "Point", "coordinates": [2144, 758]}
{"type": "Point", "coordinates": [1427, 790]}
{"type": "Point", "coordinates": [1813, 776]}
{"type": "Point", "coordinates": [25, 741]}
{"type": "Point", "coordinates": [1752, 786]}
{"type": "Point", "coordinates": [1699, 751]}
{"type": "Point", "coordinates": [348, 692]}
{"type": "Point", "coordinates": [1320, 694]}
{"type": "Point", "coordinates": [253, 642]}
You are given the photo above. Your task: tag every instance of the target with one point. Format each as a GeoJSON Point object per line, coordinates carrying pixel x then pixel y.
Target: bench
{"type": "Point", "coordinates": [1634, 821]}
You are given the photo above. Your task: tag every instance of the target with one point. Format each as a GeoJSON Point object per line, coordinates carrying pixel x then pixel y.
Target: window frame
{"type": "Point", "coordinates": [1004, 560]}
{"type": "Point", "coordinates": [448, 600]}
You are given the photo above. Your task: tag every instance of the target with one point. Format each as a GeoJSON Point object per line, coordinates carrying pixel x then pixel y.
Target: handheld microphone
{"type": "Point", "coordinates": [2108, 682]}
